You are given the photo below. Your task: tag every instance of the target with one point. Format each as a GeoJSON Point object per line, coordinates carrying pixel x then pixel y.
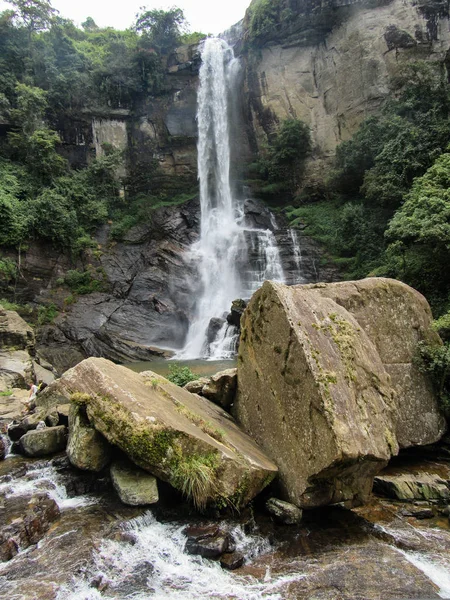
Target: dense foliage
{"type": "Point", "coordinates": [51, 71]}
{"type": "Point", "coordinates": [279, 167]}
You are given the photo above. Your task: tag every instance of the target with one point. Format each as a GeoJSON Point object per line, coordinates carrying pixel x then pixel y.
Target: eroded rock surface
{"type": "Point", "coordinates": [314, 390]}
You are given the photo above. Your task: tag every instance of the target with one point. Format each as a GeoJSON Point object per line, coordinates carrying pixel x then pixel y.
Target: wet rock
{"type": "Point", "coordinates": [135, 580]}
{"type": "Point", "coordinates": [177, 436]}
{"type": "Point", "coordinates": [232, 560]}
{"type": "Point", "coordinates": [134, 486]}
{"type": "Point", "coordinates": [418, 513]}
{"type": "Point", "coordinates": [284, 512]}
{"type": "Point", "coordinates": [201, 532]}
{"type": "Point", "coordinates": [16, 431]}
{"type": "Point", "coordinates": [320, 384]}
{"type": "Point", "coordinates": [208, 547]}
{"type": "Point", "coordinates": [3, 447]}
{"type": "Point", "coordinates": [423, 486]}
{"type": "Point", "coordinates": [86, 449]}
{"type": "Point", "coordinates": [44, 441]}
{"type": "Point", "coordinates": [237, 309]}
{"type": "Point", "coordinates": [215, 325]}
{"type": "Point", "coordinates": [24, 520]}
{"type": "Point", "coordinates": [221, 388]}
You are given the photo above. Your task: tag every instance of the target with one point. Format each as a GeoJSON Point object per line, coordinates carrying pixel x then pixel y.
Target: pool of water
{"type": "Point", "coordinates": [202, 368]}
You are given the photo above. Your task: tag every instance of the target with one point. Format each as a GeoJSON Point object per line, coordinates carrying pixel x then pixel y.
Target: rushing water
{"type": "Point", "coordinates": [227, 247]}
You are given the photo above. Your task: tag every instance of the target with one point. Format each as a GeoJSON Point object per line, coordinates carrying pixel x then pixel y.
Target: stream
{"type": "Point", "coordinates": [99, 548]}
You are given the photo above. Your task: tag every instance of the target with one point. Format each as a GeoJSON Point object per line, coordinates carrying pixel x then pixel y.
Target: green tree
{"type": "Point", "coordinates": [162, 28]}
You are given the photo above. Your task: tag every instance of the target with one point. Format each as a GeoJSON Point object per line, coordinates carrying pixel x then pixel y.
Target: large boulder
{"type": "Point", "coordinates": [177, 436]}
{"type": "Point", "coordinates": [396, 318]}
{"type": "Point", "coordinates": [42, 442]}
{"type": "Point", "coordinates": [314, 390]}
{"type": "Point", "coordinates": [86, 449]}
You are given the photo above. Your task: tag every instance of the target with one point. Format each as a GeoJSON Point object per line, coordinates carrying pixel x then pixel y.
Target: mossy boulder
{"type": "Point", "coordinates": [87, 449]}
{"type": "Point", "coordinates": [315, 390]}
{"type": "Point", "coordinates": [175, 435]}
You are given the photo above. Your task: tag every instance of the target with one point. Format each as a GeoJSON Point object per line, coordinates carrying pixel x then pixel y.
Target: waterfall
{"type": "Point", "coordinates": [232, 260]}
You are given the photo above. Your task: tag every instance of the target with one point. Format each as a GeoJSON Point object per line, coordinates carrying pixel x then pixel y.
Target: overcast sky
{"type": "Point", "coordinates": [211, 16]}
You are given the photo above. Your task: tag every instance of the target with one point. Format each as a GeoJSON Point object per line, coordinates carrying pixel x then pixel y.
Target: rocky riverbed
{"type": "Point", "coordinates": [98, 548]}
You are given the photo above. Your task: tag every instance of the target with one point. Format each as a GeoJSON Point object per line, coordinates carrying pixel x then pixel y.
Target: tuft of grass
{"type": "Point", "coordinates": [195, 476]}
{"type": "Point", "coordinates": [6, 393]}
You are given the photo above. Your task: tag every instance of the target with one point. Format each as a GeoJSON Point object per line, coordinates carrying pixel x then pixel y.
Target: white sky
{"type": "Point", "coordinates": [213, 16]}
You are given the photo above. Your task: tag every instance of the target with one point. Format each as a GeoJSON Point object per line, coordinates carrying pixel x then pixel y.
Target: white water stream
{"type": "Point", "coordinates": [225, 253]}
{"type": "Point", "coordinates": [175, 575]}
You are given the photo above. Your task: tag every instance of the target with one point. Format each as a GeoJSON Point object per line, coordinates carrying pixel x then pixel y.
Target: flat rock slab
{"type": "Point", "coordinates": [42, 442]}
{"type": "Point", "coordinates": [319, 388]}
{"type": "Point", "coordinates": [177, 436]}
{"type": "Point", "coordinates": [133, 485]}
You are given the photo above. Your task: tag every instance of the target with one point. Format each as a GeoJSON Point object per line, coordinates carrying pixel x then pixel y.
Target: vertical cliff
{"type": "Point", "coordinates": [332, 63]}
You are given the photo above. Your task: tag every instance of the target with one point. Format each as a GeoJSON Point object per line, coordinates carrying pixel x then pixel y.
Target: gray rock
{"type": "Point", "coordinates": [408, 486]}
{"type": "Point", "coordinates": [221, 388]}
{"type": "Point", "coordinates": [232, 560]}
{"type": "Point", "coordinates": [87, 449]}
{"type": "Point", "coordinates": [328, 385]}
{"type": "Point", "coordinates": [210, 547]}
{"type": "Point", "coordinates": [44, 441]}
{"type": "Point", "coordinates": [196, 387]}
{"type": "Point", "coordinates": [284, 512]}
{"type": "Point", "coordinates": [133, 485]}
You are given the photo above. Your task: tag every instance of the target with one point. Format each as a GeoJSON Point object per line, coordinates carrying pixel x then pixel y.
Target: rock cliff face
{"type": "Point", "coordinates": [331, 63]}
{"type": "Point", "coordinates": [162, 128]}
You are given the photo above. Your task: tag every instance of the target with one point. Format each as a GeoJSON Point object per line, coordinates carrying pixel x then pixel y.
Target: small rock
{"type": "Point", "coordinates": [418, 513]}
{"type": "Point", "coordinates": [284, 512]}
{"type": "Point", "coordinates": [221, 388]}
{"type": "Point", "coordinates": [41, 425]}
{"type": "Point", "coordinates": [211, 547]}
{"type": "Point", "coordinates": [45, 441]}
{"type": "Point", "coordinates": [201, 532]}
{"type": "Point", "coordinates": [133, 485]}
{"type": "Point", "coordinates": [196, 387]}
{"type": "Point", "coordinates": [232, 560]}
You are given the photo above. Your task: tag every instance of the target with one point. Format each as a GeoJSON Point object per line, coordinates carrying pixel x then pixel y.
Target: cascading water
{"type": "Point", "coordinates": [225, 253]}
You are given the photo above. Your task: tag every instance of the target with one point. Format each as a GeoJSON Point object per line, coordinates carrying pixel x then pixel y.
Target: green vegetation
{"type": "Point", "coordinates": [195, 476]}
{"type": "Point", "coordinates": [46, 314]}
{"type": "Point", "coordinates": [264, 16]}
{"type": "Point", "coordinates": [52, 74]}
{"type": "Point", "coordinates": [385, 209]}
{"type": "Point", "coordinates": [180, 375]}
{"type": "Point", "coordinates": [435, 360]}
{"type": "Point", "coordinates": [278, 170]}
